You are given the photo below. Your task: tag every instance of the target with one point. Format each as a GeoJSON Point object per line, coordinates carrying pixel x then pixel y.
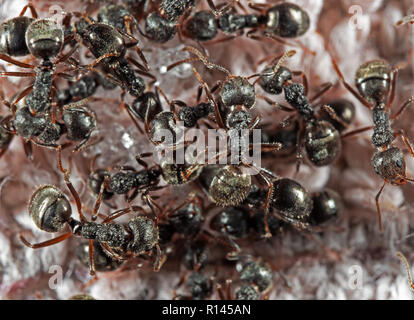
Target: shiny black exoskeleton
{"type": "Point", "coordinates": [13, 33]}
{"type": "Point", "coordinates": [287, 20]}
{"type": "Point", "coordinates": [108, 46]}
{"type": "Point", "coordinates": [50, 210]}
{"type": "Point", "coordinates": [373, 80]}
{"type": "Point", "coordinates": [158, 28]}
{"type": "Point", "coordinates": [327, 207]}
{"type": "Point", "coordinates": [257, 273]}
{"type": "Point", "coordinates": [322, 141]}
{"type": "Point", "coordinates": [199, 285]}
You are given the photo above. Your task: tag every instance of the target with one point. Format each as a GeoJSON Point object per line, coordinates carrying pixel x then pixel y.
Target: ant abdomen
{"type": "Point", "coordinates": [273, 82]}
{"type": "Point", "coordinates": [147, 101]}
{"type": "Point", "coordinates": [327, 207]}
{"type": "Point", "coordinates": [238, 91]}
{"type": "Point", "coordinates": [322, 142]}
{"type": "Point", "coordinates": [44, 39]}
{"type": "Point", "coordinates": [12, 36]}
{"type": "Point", "coordinates": [287, 20]}
{"type": "Point", "coordinates": [202, 26]}
{"type": "Point", "coordinates": [390, 165]}
{"type": "Point", "coordinates": [291, 200]}
{"type": "Point", "coordinates": [373, 80]}
{"type": "Point", "coordinates": [49, 208]}
{"type": "Point", "coordinates": [159, 29]}
{"type": "Point", "coordinates": [230, 186]}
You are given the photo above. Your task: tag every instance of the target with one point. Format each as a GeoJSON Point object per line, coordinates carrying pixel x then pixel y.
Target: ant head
{"type": "Point", "coordinates": [287, 20]}
{"type": "Point", "coordinates": [272, 82]}
{"type": "Point", "coordinates": [238, 91]}
{"type": "Point", "coordinates": [232, 221]}
{"type": "Point", "coordinates": [49, 208]}
{"type": "Point", "coordinates": [44, 39]}
{"type": "Point", "coordinates": [230, 186]}
{"type": "Point", "coordinates": [80, 122]}
{"type": "Point", "coordinates": [373, 80]}
{"type": "Point", "coordinates": [103, 39]}
{"type": "Point", "coordinates": [390, 165]}
{"type": "Point", "coordinates": [323, 142]}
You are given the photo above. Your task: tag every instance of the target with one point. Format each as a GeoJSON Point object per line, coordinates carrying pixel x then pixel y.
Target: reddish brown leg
{"type": "Point", "coordinates": [17, 74]}
{"type": "Point", "coordinates": [69, 184]}
{"type": "Point", "coordinates": [92, 270]}
{"type": "Point", "coordinates": [45, 243]}
{"type": "Point", "coordinates": [402, 108]}
{"type": "Point", "coordinates": [334, 116]}
{"type": "Point", "coordinates": [32, 10]}
{"type": "Point", "coordinates": [99, 198]}
{"type": "Point", "coordinates": [16, 62]}
{"type": "Point", "coordinates": [176, 64]}
{"type": "Point", "coordinates": [356, 131]}
{"type": "Point", "coordinates": [24, 93]}
{"type": "Point", "coordinates": [28, 150]}
{"type": "Point", "coordinates": [406, 141]}
{"type": "Point", "coordinates": [120, 213]}
{"type": "Point", "coordinates": [325, 88]}
{"type": "Point", "coordinates": [407, 269]}
{"type": "Point", "coordinates": [378, 207]}
{"type": "Point", "coordinates": [275, 104]}
{"type": "Point", "coordinates": [304, 81]}
{"type": "Point", "coordinates": [217, 112]}
{"type": "Point", "coordinates": [342, 79]}
{"type": "Point", "coordinates": [139, 158]}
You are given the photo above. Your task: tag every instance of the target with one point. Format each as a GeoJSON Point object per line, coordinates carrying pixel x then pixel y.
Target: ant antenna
{"type": "Point", "coordinates": [407, 268]}
{"type": "Point", "coordinates": [204, 60]}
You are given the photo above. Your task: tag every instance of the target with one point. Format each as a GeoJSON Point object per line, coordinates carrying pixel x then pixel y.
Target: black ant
{"type": "Point", "coordinates": [327, 207]}
{"type": "Point", "coordinates": [319, 137]}
{"type": "Point", "coordinates": [13, 33]}
{"type": "Point", "coordinates": [127, 179]}
{"type": "Point", "coordinates": [376, 82]}
{"type": "Point", "coordinates": [50, 210]}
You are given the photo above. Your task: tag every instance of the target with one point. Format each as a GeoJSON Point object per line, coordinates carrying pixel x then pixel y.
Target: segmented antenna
{"type": "Point", "coordinates": [407, 268]}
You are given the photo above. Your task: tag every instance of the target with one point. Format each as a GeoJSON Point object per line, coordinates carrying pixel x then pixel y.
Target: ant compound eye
{"type": "Point", "coordinates": [399, 163]}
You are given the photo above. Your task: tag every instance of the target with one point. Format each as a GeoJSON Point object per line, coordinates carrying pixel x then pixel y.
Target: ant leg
{"type": "Point", "coordinates": [99, 199]}
{"type": "Point", "coordinates": [378, 207]}
{"type": "Point", "coordinates": [260, 7]}
{"type": "Point", "coordinates": [342, 79]}
{"type": "Point", "coordinates": [139, 157]}
{"type": "Point", "coordinates": [205, 61]}
{"type": "Point", "coordinates": [217, 112]}
{"type": "Point", "coordinates": [304, 81]}
{"type": "Point", "coordinates": [405, 140]}
{"type": "Point", "coordinates": [45, 243]}
{"type": "Point", "coordinates": [160, 258]}
{"type": "Point", "coordinates": [334, 116]}
{"type": "Point", "coordinates": [276, 104]}
{"type": "Point", "coordinates": [175, 64]}
{"type": "Point", "coordinates": [17, 74]}
{"type": "Point", "coordinates": [72, 190]}
{"type": "Point", "coordinates": [402, 108]}
{"type": "Point", "coordinates": [356, 131]}
{"type": "Point", "coordinates": [299, 147]}
{"type": "Point", "coordinates": [216, 86]}
{"type": "Point", "coordinates": [406, 19]}
{"type": "Point", "coordinates": [32, 9]}
{"type": "Point", "coordinates": [218, 13]}
{"type": "Point", "coordinates": [325, 88]}
{"type": "Point", "coordinates": [121, 212]}
{"type": "Point", "coordinates": [92, 269]}
{"type": "Point", "coordinates": [394, 74]}
{"type": "Point", "coordinates": [24, 93]}
{"type": "Point", "coordinates": [16, 62]}
{"type": "Point", "coordinates": [407, 268]}
{"type": "Point", "coordinates": [28, 150]}
{"type": "Point", "coordinates": [270, 187]}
